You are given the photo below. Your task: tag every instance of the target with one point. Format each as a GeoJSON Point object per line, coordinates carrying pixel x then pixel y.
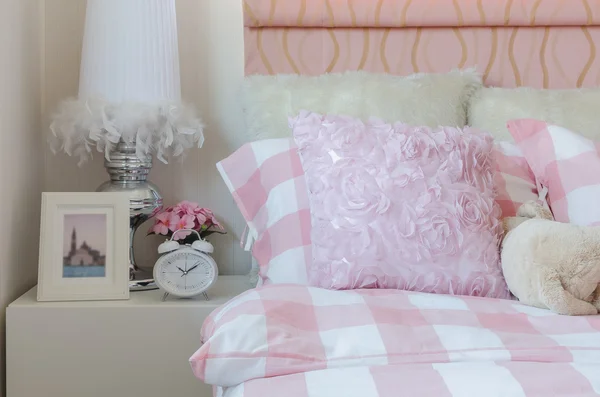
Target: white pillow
{"type": "Point", "coordinates": [577, 110]}
{"type": "Point", "coordinates": [422, 99]}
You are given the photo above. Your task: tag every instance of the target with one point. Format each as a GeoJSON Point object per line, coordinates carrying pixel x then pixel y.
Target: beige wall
{"type": "Point", "coordinates": [212, 58]}
{"type": "Point", "coordinates": [21, 25]}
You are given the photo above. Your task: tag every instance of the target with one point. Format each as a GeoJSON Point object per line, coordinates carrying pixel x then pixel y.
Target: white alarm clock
{"type": "Point", "coordinates": [185, 270]}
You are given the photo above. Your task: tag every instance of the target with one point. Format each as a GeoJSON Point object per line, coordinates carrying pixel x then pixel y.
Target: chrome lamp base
{"type": "Point", "coordinates": [128, 173]}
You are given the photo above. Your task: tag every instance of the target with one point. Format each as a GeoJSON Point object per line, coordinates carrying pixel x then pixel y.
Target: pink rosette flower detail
{"type": "Point", "coordinates": [347, 136]}
{"type": "Point", "coordinates": [439, 236]}
{"type": "Point", "coordinates": [452, 170]}
{"type": "Point", "coordinates": [478, 285]}
{"type": "Point", "coordinates": [360, 196]}
{"type": "Point", "coordinates": [471, 211]}
{"type": "Point", "coordinates": [411, 148]}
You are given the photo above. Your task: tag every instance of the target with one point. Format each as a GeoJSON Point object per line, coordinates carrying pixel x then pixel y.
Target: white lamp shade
{"type": "Point", "coordinates": [129, 87]}
{"type": "Point", "coordinates": [130, 52]}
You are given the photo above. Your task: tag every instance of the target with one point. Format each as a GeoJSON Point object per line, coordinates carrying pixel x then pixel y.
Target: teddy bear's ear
{"type": "Point", "coordinates": [534, 209]}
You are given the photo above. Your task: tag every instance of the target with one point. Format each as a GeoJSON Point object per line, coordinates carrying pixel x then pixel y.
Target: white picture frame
{"type": "Point", "coordinates": [84, 247]}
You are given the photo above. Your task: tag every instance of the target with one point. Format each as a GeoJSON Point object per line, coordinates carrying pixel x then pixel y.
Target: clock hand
{"type": "Point", "coordinates": [193, 268]}
{"type": "Point", "coordinates": [180, 269]}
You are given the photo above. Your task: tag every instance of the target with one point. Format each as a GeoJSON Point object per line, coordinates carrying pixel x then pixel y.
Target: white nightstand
{"type": "Point", "coordinates": [134, 348]}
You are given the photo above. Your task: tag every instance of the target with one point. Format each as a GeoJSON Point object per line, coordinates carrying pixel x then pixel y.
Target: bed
{"type": "Point", "coordinates": [304, 340]}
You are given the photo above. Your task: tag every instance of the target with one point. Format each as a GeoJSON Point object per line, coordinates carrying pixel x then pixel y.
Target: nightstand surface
{"type": "Point", "coordinates": [136, 347]}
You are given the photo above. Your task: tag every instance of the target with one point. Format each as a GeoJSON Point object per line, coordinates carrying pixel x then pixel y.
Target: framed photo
{"type": "Point", "coordinates": [84, 247]}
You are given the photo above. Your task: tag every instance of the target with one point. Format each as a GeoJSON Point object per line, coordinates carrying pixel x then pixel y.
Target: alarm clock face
{"type": "Point", "coordinates": [185, 272]}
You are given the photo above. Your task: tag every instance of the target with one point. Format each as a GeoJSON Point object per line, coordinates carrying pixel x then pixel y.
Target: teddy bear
{"type": "Point", "coordinates": [551, 265]}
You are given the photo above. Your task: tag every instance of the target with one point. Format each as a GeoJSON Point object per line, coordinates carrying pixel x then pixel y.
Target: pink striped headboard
{"type": "Point", "coordinates": [537, 43]}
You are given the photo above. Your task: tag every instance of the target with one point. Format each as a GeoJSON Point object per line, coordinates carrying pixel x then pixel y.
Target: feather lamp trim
{"type": "Point", "coordinates": [165, 129]}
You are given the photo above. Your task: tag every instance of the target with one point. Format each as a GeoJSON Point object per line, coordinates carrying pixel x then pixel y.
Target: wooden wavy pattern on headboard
{"type": "Point", "coordinates": [420, 13]}
{"type": "Point", "coordinates": [521, 45]}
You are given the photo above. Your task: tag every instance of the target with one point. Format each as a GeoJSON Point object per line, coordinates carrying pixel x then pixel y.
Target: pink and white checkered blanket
{"type": "Point", "coordinates": [310, 342]}
{"type": "Point", "coordinates": [464, 379]}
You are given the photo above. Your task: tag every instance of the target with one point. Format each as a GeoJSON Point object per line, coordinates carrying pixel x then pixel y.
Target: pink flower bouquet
{"type": "Point", "coordinates": [186, 215]}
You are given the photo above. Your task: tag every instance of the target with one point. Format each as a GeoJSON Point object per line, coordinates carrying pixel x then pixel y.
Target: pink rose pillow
{"type": "Point", "coordinates": [394, 206]}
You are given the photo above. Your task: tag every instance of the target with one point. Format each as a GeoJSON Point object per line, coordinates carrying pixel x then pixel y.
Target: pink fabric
{"type": "Point", "coordinates": [514, 178]}
{"type": "Point", "coordinates": [395, 206]}
{"type": "Point", "coordinates": [267, 182]}
{"type": "Point", "coordinates": [403, 13]}
{"type": "Point", "coordinates": [280, 330]}
{"type": "Point", "coordinates": [567, 164]}
{"type": "Point", "coordinates": [497, 379]}
{"type": "Point", "coordinates": [554, 57]}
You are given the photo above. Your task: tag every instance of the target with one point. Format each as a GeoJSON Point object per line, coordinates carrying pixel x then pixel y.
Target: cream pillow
{"type": "Point", "coordinates": [577, 110]}
{"type": "Point", "coordinates": [422, 99]}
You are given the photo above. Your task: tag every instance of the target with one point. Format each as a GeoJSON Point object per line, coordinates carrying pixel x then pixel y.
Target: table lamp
{"type": "Point", "coordinates": [129, 105]}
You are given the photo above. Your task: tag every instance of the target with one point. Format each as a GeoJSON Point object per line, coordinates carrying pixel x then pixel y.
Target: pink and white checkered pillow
{"type": "Point", "coordinates": [567, 164]}
{"type": "Point", "coordinates": [514, 179]}
{"type": "Point", "coordinates": [267, 182]}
